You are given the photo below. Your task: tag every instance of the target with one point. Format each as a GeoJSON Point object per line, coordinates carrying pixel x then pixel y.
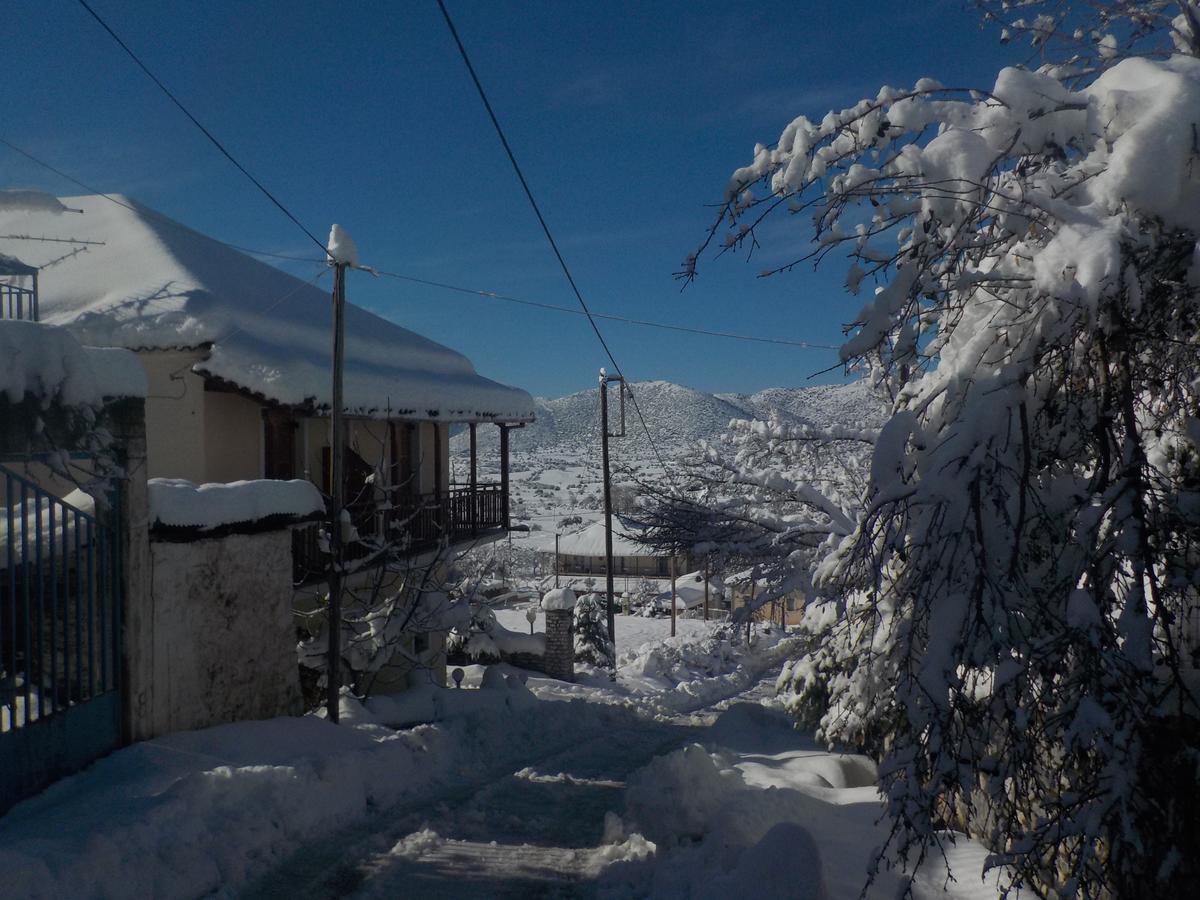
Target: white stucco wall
{"type": "Point", "coordinates": [233, 437]}
{"type": "Point", "coordinates": [223, 641]}
{"type": "Point", "coordinates": [175, 427]}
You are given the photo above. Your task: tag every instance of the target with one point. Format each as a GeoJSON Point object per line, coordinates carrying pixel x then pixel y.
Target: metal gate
{"type": "Point", "coordinates": [60, 627]}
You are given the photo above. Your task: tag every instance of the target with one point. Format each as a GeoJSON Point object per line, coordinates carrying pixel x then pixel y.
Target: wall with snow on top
{"type": "Point", "coordinates": [223, 641]}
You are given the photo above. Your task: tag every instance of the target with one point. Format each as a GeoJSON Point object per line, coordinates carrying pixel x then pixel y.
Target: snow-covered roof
{"type": "Point", "coordinates": [589, 541]}
{"type": "Point", "coordinates": [689, 592]}
{"type": "Point", "coordinates": [10, 265]}
{"type": "Point", "coordinates": [157, 284]}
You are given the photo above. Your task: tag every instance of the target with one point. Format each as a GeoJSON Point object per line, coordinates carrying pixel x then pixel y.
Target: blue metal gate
{"type": "Point", "coordinates": [60, 628]}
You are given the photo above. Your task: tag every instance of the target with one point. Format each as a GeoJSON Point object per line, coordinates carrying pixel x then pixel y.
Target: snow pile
{"type": "Point", "coordinates": [498, 692]}
{"type": "Point", "coordinates": [681, 673]}
{"type": "Point", "coordinates": [50, 364]}
{"type": "Point", "coordinates": [663, 676]}
{"type": "Point", "coordinates": [794, 823]}
{"type": "Point", "coordinates": [559, 599]}
{"type": "Point", "coordinates": [494, 641]}
{"type": "Point", "coordinates": [177, 503]}
{"type": "Point", "coordinates": [204, 812]}
{"type": "Point", "coordinates": [157, 284]}
{"type": "Point", "coordinates": [341, 247]}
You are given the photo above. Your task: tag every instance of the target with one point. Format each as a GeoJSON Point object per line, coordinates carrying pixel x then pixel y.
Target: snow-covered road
{"type": "Point", "coordinates": [533, 832]}
{"type": "Point", "coordinates": [679, 779]}
{"type": "Point", "coordinates": [533, 829]}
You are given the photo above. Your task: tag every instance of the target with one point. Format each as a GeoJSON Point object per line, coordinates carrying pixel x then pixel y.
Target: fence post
{"type": "Point", "coordinates": [130, 511]}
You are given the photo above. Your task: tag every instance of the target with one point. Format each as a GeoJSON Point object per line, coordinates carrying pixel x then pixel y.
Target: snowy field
{"type": "Point", "coordinates": [679, 779]}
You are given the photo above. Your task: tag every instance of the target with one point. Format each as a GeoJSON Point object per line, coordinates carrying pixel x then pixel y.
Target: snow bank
{"type": "Point", "coordinates": [201, 813]}
{"type": "Point", "coordinates": [50, 364]}
{"type": "Point", "coordinates": [498, 692]}
{"type": "Point", "coordinates": [559, 599]}
{"type": "Point", "coordinates": [724, 823]}
{"type": "Point", "coordinates": [176, 503]}
{"type": "Point", "coordinates": [157, 284]}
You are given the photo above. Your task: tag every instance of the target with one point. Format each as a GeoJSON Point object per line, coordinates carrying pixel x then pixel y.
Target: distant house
{"type": "Point", "coordinates": [237, 356]}
{"type": "Point", "coordinates": [742, 588]}
{"type": "Point", "coordinates": [583, 553]}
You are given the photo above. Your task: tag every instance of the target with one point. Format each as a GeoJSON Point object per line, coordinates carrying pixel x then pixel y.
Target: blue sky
{"type": "Point", "coordinates": [628, 118]}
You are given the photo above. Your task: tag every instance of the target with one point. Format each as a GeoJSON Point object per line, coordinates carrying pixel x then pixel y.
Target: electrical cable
{"type": "Point", "coordinates": [208, 134]}
{"type": "Point", "coordinates": [493, 295]}
{"type": "Point", "coordinates": [145, 210]}
{"type": "Point", "coordinates": [546, 229]}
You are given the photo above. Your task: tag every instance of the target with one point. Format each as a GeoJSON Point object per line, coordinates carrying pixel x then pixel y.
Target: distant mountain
{"type": "Point", "coordinates": [677, 416]}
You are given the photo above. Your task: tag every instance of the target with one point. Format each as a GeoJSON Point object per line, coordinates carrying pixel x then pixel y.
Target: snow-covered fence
{"type": "Point", "coordinates": [222, 644]}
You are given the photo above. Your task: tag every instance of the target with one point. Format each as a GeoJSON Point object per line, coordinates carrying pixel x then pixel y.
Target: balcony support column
{"type": "Point", "coordinates": [504, 476]}
{"type": "Point", "coordinates": [474, 498]}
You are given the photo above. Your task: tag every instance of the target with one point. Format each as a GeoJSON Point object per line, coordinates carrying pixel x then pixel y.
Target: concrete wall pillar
{"type": "Point", "coordinates": [127, 422]}
{"type": "Point", "coordinates": [560, 646]}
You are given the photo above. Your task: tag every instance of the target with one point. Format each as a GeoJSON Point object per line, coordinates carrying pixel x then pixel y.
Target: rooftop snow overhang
{"type": "Point", "coordinates": [151, 283]}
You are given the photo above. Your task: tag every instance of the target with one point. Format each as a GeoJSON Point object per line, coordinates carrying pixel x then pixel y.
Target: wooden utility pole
{"type": "Point", "coordinates": [672, 595]}
{"type": "Point", "coordinates": [605, 378]}
{"type": "Point", "coordinates": [338, 490]}
{"type": "Point", "coordinates": [706, 567]}
{"type": "Point", "coordinates": [608, 551]}
{"type": "Point", "coordinates": [556, 537]}
{"type": "Point", "coordinates": [750, 609]}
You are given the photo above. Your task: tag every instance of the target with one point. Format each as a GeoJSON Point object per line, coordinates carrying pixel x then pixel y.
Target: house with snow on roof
{"type": "Point", "coordinates": [582, 552]}
{"type": "Point", "coordinates": [237, 358]}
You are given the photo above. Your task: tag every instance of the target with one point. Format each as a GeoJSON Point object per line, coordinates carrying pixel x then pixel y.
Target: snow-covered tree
{"type": "Point", "coordinates": [1014, 597]}
{"type": "Point", "coordinates": [591, 632]}
{"type": "Point", "coordinates": [775, 495]}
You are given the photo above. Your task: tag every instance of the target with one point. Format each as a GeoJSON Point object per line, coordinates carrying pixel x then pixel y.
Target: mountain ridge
{"type": "Point", "coordinates": [677, 416]}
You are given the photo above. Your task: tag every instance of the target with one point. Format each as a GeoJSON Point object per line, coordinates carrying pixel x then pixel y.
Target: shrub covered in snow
{"type": "Point", "coordinates": [591, 632]}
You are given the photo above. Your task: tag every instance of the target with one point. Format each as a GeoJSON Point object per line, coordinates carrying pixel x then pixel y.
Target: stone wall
{"type": "Point", "coordinates": [559, 661]}
{"type": "Point", "coordinates": [221, 646]}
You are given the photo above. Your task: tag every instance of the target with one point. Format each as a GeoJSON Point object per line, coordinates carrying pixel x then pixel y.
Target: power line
{"type": "Point", "coordinates": [208, 134]}
{"type": "Point", "coordinates": [462, 50]}
{"type": "Point", "coordinates": [143, 210]}
{"type": "Point", "coordinates": [493, 295]}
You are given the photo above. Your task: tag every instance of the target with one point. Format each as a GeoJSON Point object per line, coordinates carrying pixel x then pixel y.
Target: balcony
{"type": "Point", "coordinates": [18, 290]}
{"type": "Point", "coordinates": [415, 524]}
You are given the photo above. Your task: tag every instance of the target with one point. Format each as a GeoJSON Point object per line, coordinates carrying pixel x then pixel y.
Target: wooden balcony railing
{"type": "Point", "coordinates": [18, 302]}
{"type": "Point", "coordinates": [415, 522]}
